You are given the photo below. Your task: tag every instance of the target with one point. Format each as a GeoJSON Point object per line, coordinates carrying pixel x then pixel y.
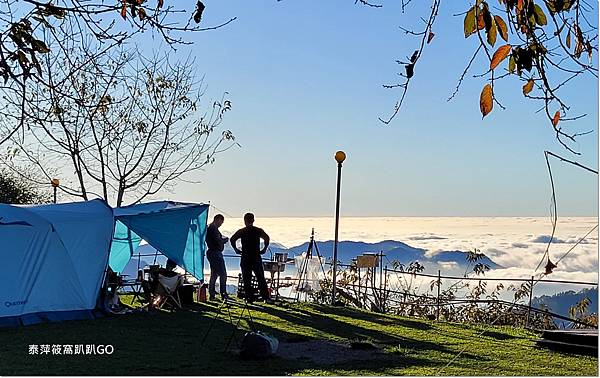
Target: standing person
{"type": "Point", "coordinates": [215, 243]}
{"type": "Point", "coordinates": [251, 260]}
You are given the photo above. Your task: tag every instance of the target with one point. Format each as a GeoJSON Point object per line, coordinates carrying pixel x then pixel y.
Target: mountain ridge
{"type": "Point", "coordinates": [393, 250]}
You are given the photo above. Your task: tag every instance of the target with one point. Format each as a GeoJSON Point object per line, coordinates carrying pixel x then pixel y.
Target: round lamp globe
{"type": "Point", "coordinates": [340, 156]}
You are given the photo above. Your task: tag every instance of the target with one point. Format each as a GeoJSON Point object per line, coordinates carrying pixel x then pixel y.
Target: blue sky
{"type": "Point", "coordinates": [305, 78]}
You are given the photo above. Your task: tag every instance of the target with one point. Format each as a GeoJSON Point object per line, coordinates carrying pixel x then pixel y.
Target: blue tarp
{"type": "Point", "coordinates": [177, 230]}
{"type": "Point", "coordinates": [54, 258]}
{"type": "Point", "coordinates": [124, 244]}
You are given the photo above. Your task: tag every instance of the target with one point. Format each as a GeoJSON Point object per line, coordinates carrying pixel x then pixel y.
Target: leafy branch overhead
{"type": "Point", "coordinates": [122, 126]}
{"type": "Point", "coordinates": [31, 29]}
{"type": "Point", "coordinates": [545, 44]}
{"type": "Point", "coordinates": [94, 17]}
{"type": "Point", "coordinates": [137, 9]}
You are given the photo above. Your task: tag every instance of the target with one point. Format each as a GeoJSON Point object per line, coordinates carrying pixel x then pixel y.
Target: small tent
{"type": "Point", "coordinates": [54, 259]}
{"type": "Point", "coordinates": [177, 230]}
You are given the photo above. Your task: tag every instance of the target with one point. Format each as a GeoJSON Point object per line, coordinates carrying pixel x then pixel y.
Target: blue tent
{"type": "Point", "coordinates": [177, 230]}
{"type": "Point", "coordinates": [54, 259]}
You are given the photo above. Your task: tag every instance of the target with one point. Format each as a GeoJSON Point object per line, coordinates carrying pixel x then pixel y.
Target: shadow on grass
{"type": "Point", "coordinates": [163, 343]}
{"type": "Point", "coordinates": [372, 317]}
{"type": "Point", "coordinates": [354, 332]}
{"type": "Point", "coordinates": [499, 336]}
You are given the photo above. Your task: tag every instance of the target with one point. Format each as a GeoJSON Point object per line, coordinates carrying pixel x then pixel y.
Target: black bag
{"type": "Point", "coordinates": [186, 294]}
{"type": "Point", "coordinates": [258, 345]}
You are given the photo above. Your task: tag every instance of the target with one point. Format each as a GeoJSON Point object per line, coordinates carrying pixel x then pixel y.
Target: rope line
{"type": "Point", "coordinates": [553, 207]}
{"type": "Point", "coordinates": [576, 244]}
{"type": "Point", "coordinates": [478, 335]}
{"type": "Point", "coordinates": [553, 214]}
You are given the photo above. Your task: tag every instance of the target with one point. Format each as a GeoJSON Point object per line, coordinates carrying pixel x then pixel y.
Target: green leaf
{"type": "Point", "coordinates": [40, 46]}
{"type": "Point", "coordinates": [470, 22]}
{"type": "Point", "coordinates": [491, 34]}
{"type": "Point", "coordinates": [540, 17]}
{"type": "Point", "coordinates": [22, 58]}
{"type": "Point", "coordinates": [52, 10]}
{"type": "Point", "coordinates": [567, 4]}
{"type": "Point", "coordinates": [556, 6]}
{"type": "Point", "coordinates": [512, 64]}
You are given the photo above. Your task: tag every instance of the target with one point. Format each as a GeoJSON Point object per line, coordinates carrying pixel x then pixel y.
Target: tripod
{"type": "Point", "coordinates": [227, 305]}
{"type": "Point", "coordinates": [312, 245]}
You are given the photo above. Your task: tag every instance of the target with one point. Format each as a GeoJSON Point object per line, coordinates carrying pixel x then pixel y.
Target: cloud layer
{"type": "Point", "coordinates": [516, 243]}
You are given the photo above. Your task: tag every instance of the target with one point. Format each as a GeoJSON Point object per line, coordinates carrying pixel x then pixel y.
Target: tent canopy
{"type": "Point", "coordinates": [176, 229]}
{"type": "Point", "coordinates": [54, 258]}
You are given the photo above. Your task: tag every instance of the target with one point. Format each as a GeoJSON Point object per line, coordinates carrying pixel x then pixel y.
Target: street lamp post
{"type": "Point", "coordinates": [55, 183]}
{"type": "Point", "coordinates": [340, 156]}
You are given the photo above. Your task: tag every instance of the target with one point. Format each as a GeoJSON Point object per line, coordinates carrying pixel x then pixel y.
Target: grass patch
{"type": "Point", "coordinates": [162, 343]}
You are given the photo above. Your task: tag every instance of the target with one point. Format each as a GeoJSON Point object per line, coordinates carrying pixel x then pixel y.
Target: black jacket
{"type": "Point", "coordinates": [250, 237]}
{"type": "Point", "coordinates": [214, 240]}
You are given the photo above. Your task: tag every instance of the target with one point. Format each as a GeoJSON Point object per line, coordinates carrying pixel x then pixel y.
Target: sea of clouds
{"type": "Point", "coordinates": [515, 243]}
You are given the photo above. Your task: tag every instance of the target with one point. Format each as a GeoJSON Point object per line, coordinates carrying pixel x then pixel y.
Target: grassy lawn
{"type": "Point", "coordinates": [162, 343]}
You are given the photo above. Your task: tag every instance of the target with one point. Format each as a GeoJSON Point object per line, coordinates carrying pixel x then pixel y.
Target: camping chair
{"type": "Point", "coordinates": [135, 286]}
{"type": "Point", "coordinates": [168, 288]}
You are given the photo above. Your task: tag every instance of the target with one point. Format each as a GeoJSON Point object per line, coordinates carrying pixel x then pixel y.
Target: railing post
{"type": "Point", "coordinates": [359, 287]}
{"type": "Point", "coordinates": [385, 288]}
{"type": "Point", "coordinates": [529, 306]}
{"type": "Point", "coordinates": [380, 280]}
{"type": "Point", "coordinates": [439, 284]}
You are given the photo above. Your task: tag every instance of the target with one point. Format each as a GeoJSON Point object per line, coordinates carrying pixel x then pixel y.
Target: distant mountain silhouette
{"type": "Point", "coordinates": [561, 302]}
{"type": "Point", "coordinates": [393, 250]}
{"type": "Point", "coordinates": [461, 258]}
{"type": "Point", "coordinates": [347, 250]}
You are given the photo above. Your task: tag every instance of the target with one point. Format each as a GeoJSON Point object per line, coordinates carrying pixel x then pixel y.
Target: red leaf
{"type": "Point", "coordinates": [499, 56]}
{"type": "Point", "coordinates": [502, 29]}
{"type": "Point", "coordinates": [480, 21]}
{"type": "Point", "coordinates": [124, 10]}
{"type": "Point", "coordinates": [556, 118]}
{"type": "Point", "coordinates": [430, 36]}
{"type": "Point", "coordinates": [528, 87]}
{"type": "Point", "coordinates": [486, 100]}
